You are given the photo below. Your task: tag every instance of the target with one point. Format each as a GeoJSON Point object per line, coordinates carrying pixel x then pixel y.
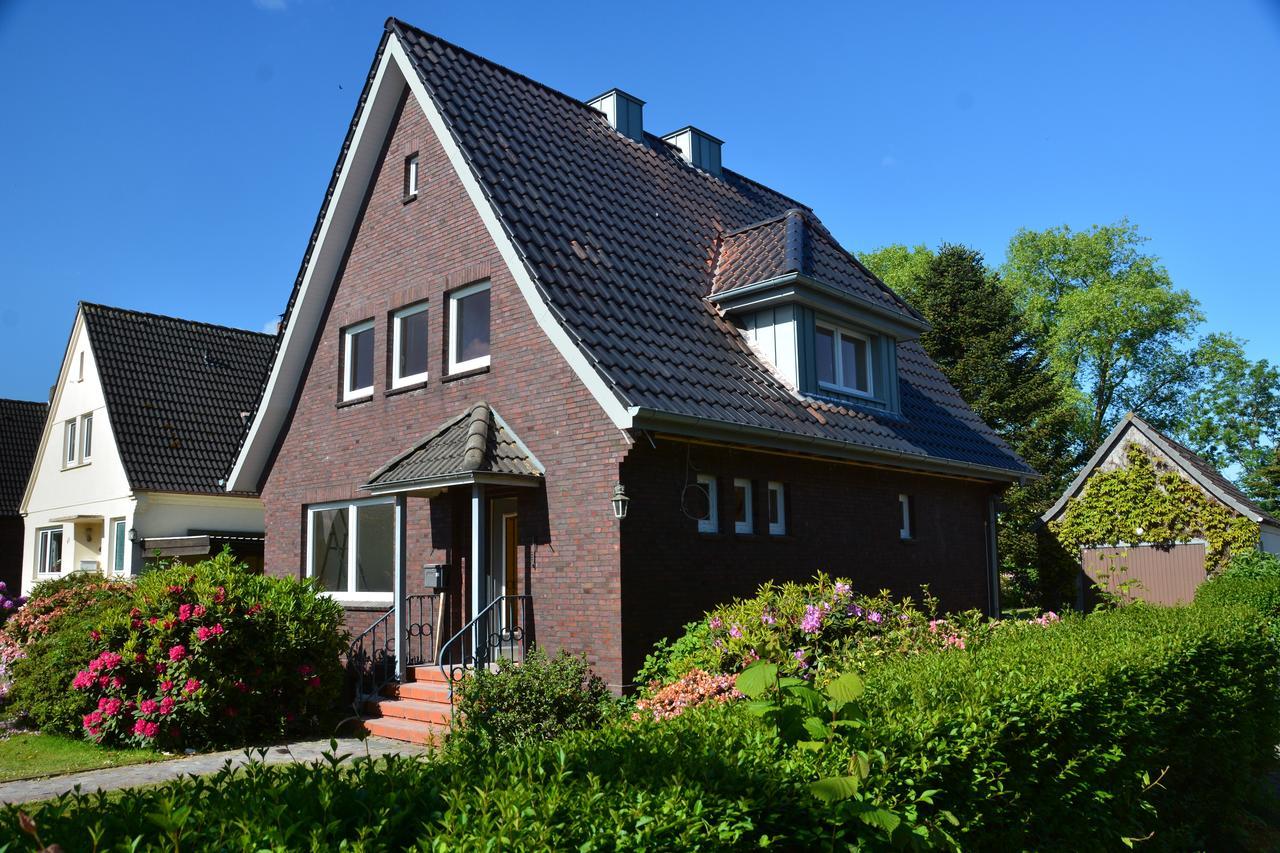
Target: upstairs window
{"type": "Point", "coordinates": [777, 510]}
{"type": "Point", "coordinates": [707, 522]}
{"type": "Point", "coordinates": [843, 361]}
{"type": "Point", "coordinates": [411, 177]}
{"type": "Point", "coordinates": [69, 442]}
{"type": "Point", "coordinates": [907, 508]}
{"type": "Point", "coordinates": [357, 361]}
{"type": "Point", "coordinates": [86, 437]}
{"type": "Point", "coordinates": [409, 346]}
{"type": "Point", "coordinates": [469, 328]}
{"type": "Point", "coordinates": [741, 506]}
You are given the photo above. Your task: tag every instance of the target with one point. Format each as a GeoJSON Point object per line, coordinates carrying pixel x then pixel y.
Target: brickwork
{"type": "Point", "coordinates": [420, 250]}
{"type": "Point", "coordinates": [841, 519]}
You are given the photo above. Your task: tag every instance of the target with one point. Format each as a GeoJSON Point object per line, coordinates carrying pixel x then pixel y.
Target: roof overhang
{"type": "Point", "coordinates": [749, 437]}
{"type": "Point", "coordinates": [76, 519]}
{"type": "Point", "coordinates": [794, 287]}
{"type": "Point", "coordinates": [432, 486]}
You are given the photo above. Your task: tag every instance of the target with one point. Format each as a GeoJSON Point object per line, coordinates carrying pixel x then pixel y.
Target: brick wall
{"type": "Point", "coordinates": [403, 253]}
{"type": "Point", "coordinates": [841, 519]}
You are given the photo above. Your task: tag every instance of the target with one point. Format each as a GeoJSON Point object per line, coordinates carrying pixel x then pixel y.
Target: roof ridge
{"type": "Point", "coordinates": [96, 306]}
{"type": "Point", "coordinates": [23, 402]}
{"type": "Point", "coordinates": [770, 221]}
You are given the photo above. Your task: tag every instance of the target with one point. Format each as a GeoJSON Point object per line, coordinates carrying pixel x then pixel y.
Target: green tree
{"type": "Point", "coordinates": [1263, 483]}
{"type": "Point", "coordinates": [980, 342]}
{"type": "Point", "coordinates": [1110, 320]}
{"type": "Point", "coordinates": [1232, 418]}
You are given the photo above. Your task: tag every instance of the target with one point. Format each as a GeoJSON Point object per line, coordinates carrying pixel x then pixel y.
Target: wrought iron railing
{"type": "Point", "coordinates": [499, 631]}
{"type": "Point", "coordinates": [372, 656]}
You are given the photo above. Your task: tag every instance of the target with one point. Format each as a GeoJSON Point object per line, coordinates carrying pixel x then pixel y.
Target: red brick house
{"type": "Point", "coordinates": [515, 302]}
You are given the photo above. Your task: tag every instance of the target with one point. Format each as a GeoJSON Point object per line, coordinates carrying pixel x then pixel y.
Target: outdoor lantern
{"type": "Point", "coordinates": [620, 501]}
{"type": "Point", "coordinates": [133, 534]}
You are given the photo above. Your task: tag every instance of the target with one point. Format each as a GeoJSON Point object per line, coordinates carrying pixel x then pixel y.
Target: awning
{"type": "Point", "coordinates": [474, 447]}
{"type": "Point", "coordinates": [200, 544]}
{"type": "Point", "coordinates": [78, 519]}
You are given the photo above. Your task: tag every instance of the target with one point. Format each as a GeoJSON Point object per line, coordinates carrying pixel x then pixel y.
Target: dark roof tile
{"type": "Point", "coordinates": [21, 425]}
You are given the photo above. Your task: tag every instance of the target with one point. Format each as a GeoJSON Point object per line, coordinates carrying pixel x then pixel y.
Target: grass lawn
{"type": "Point", "coordinates": [28, 756]}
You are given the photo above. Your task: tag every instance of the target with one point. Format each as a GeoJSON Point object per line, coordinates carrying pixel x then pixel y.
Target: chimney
{"type": "Point", "coordinates": [700, 149]}
{"type": "Point", "coordinates": [624, 112]}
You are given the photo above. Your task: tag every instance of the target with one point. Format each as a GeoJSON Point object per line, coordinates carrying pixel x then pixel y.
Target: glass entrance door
{"type": "Point", "coordinates": [503, 543]}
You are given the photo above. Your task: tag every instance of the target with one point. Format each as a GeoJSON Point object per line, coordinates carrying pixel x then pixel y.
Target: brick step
{"type": "Point", "coordinates": [412, 731]}
{"type": "Point", "coordinates": [427, 674]}
{"type": "Point", "coordinates": [425, 691]}
{"type": "Point", "coordinates": [410, 709]}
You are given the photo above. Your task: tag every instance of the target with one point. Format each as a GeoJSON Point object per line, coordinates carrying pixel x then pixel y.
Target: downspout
{"type": "Point", "coordinates": [477, 563]}
{"type": "Point", "coordinates": [993, 557]}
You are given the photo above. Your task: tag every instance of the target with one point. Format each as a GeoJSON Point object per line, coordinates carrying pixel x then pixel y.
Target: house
{"type": "Point", "coordinates": [144, 421]}
{"type": "Point", "coordinates": [1167, 570]}
{"type": "Point", "coordinates": [522, 315]}
{"type": "Point", "coordinates": [21, 423]}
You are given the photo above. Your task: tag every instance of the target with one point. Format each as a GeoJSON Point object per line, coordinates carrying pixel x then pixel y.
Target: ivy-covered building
{"type": "Point", "coordinates": [1151, 519]}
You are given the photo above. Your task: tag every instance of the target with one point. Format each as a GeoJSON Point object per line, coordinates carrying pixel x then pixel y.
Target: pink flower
{"type": "Point", "coordinates": [203, 633]}
{"type": "Point", "coordinates": [160, 666]}
{"type": "Point", "coordinates": [95, 636]}
{"type": "Point", "coordinates": [184, 612]}
{"type": "Point", "coordinates": [117, 681]}
{"type": "Point", "coordinates": [92, 718]}
{"type": "Point", "coordinates": [220, 596]}
{"type": "Point", "coordinates": [767, 618]}
{"type": "Point", "coordinates": [175, 589]}
{"type": "Point", "coordinates": [152, 620]}
{"type": "Point", "coordinates": [166, 685]}
{"type": "Point", "coordinates": [110, 706]}
{"type": "Point", "coordinates": [191, 686]}
{"type": "Point", "coordinates": [875, 617]}
{"type": "Point", "coordinates": [842, 589]}
{"type": "Point", "coordinates": [735, 632]}
{"type": "Point", "coordinates": [148, 706]}
{"type": "Point", "coordinates": [198, 611]}
{"type": "Point", "coordinates": [177, 652]}
{"type": "Point", "coordinates": [715, 623]}
{"type": "Point", "coordinates": [242, 687]}
{"type": "Point", "coordinates": [166, 704]}
{"type": "Point", "coordinates": [145, 728]}
{"type": "Point", "coordinates": [83, 679]}
{"type": "Point", "coordinates": [802, 658]}
{"type": "Point", "coordinates": [305, 669]}
{"type": "Point", "coordinates": [314, 681]}
{"type": "Point", "coordinates": [812, 622]}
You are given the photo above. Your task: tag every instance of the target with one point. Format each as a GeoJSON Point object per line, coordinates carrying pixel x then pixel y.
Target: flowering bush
{"type": "Point", "coordinates": [695, 688]}
{"type": "Point", "coordinates": [211, 655]}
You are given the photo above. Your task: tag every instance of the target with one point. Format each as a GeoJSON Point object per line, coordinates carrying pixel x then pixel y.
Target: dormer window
{"type": "Point", "coordinates": [843, 361]}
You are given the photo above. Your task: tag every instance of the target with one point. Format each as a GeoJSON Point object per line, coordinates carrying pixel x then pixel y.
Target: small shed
{"type": "Point", "coordinates": [1156, 561]}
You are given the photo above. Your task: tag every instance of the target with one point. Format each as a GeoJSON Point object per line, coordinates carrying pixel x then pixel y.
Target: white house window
{"type": "Point", "coordinates": [843, 361]}
{"type": "Point", "coordinates": [708, 523]}
{"type": "Point", "coordinates": [50, 552]}
{"type": "Point", "coordinates": [357, 361]}
{"type": "Point", "coordinates": [907, 528]}
{"type": "Point", "coordinates": [80, 368]}
{"type": "Point", "coordinates": [469, 328]}
{"type": "Point", "coordinates": [409, 346]}
{"type": "Point", "coordinates": [69, 442]}
{"type": "Point", "coordinates": [86, 438]}
{"type": "Point", "coordinates": [351, 548]}
{"type": "Point", "coordinates": [777, 510]}
{"type": "Point", "coordinates": [118, 539]}
{"type": "Point", "coordinates": [741, 506]}
{"type": "Point", "coordinates": [411, 177]}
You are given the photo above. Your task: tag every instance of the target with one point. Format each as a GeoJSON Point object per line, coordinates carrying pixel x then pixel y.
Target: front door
{"type": "Point", "coordinates": [503, 541]}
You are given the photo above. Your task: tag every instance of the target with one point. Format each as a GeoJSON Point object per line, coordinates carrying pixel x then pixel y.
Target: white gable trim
{"type": "Point", "coordinates": [395, 70]}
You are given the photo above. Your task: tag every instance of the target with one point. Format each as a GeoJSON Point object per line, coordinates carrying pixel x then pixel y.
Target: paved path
{"type": "Point", "coordinates": [27, 790]}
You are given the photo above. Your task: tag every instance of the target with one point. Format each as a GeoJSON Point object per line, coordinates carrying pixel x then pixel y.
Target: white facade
{"type": "Point", "coordinates": [81, 497]}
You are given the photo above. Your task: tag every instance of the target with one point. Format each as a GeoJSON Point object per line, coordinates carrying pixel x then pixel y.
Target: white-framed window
{"type": "Point", "coordinates": [80, 368]}
{"type": "Point", "coordinates": [907, 528]}
{"type": "Point", "coordinates": [357, 361]}
{"type": "Point", "coordinates": [709, 522]}
{"type": "Point", "coordinates": [411, 176]}
{"type": "Point", "coordinates": [777, 510]}
{"type": "Point", "coordinates": [69, 442]}
{"type": "Point", "coordinates": [409, 345]}
{"type": "Point", "coordinates": [86, 437]}
{"type": "Point", "coordinates": [469, 328]}
{"type": "Point", "coordinates": [49, 552]}
{"type": "Point", "coordinates": [119, 544]}
{"type": "Point", "coordinates": [741, 505]}
{"type": "Point", "coordinates": [351, 548]}
{"type": "Point", "coordinates": [843, 361]}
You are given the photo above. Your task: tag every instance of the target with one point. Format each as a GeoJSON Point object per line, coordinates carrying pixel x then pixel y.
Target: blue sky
{"type": "Point", "coordinates": [171, 157]}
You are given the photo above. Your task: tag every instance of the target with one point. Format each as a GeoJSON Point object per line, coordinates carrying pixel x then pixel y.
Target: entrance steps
{"type": "Point", "coordinates": [417, 711]}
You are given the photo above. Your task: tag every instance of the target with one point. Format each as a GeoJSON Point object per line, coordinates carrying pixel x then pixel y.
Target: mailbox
{"type": "Point", "coordinates": [435, 576]}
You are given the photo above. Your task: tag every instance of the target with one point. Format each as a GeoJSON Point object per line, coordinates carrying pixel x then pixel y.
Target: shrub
{"type": "Point", "coordinates": [691, 690]}
{"type": "Point", "coordinates": [211, 655]}
{"type": "Point", "coordinates": [538, 699]}
{"type": "Point", "coordinates": [670, 659]}
{"type": "Point", "coordinates": [1254, 564]}
{"type": "Point", "coordinates": [1261, 593]}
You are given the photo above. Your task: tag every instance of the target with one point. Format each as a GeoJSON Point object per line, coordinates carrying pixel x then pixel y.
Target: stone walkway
{"type": "Point", "coordinates": [109, 778]}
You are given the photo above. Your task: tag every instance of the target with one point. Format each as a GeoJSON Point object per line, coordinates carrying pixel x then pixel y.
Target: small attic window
{"type": "Point", "coordinates": [843, 361]}
{"type": "Point", "coordinates": [411, 177]}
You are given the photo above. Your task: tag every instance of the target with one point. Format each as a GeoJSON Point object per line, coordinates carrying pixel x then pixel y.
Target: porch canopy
{"type": "Point", "coordinates": [476, 449]}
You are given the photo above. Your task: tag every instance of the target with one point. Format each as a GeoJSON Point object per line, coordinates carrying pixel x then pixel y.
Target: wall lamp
{"type": "Point", "coordinates": [620, 502]}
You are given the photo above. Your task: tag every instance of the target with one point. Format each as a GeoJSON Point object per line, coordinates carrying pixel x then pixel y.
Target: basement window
{"type": "Point", "coordinates": [469, 328]}
{"type": "Point", "coordinates": [351, 548]}
{"type": "Point", "coordinates": [741, 506]}
{"type": "Point", "coordinates": [707, 522]}
{"type": "Point", "coordinates": [409, 346]}
{"type": "Point", "coordinates": [411, 177]}
{"type": "Point", "coordinates": [843, 361]}
{"type": "Point", "coordinates": [777, 510]}
{"type": "Point", "coordinates": [357, 361]}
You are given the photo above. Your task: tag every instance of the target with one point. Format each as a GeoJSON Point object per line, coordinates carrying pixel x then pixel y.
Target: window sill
{"type": "Point", "coordinates": [84, 464]}
{"type": "Point", "coordinates": [466, 374]}
{"type": "Point", "coordinates": [405, 199]}
{"type": "Point", "coordinates": [408, 386]}
{"type": "Point", "coordinates": [375, 602]}
{"type": "Point", "coordinates": [347, 404]}
{"type": "Point", "coordinates": [910, 540]}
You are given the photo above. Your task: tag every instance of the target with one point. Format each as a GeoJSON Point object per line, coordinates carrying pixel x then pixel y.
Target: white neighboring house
{"type": "Point", "coordinates": [145, 421]}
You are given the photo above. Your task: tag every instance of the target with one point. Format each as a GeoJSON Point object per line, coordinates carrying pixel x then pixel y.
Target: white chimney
{"type": "Point", "coordinates": [699, 148]}
{"type": "Point", "coordinates": [624, 112]}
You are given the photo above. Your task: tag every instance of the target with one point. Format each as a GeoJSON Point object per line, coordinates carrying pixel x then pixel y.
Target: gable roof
{"type": "Point", "coordinates": [176, 393]}
{"type": "Point", "coordinates": [21, 423]}
{"type": "Point", "coordinates": [1194, 466]}
{"type": "Point", "coordinates": [616, 243]}
{"type": "Point", "coordinates": [468, 447]}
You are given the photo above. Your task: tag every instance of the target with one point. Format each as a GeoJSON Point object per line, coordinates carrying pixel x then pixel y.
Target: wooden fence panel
{"type": "Point", "coordinates": [1157, 575]}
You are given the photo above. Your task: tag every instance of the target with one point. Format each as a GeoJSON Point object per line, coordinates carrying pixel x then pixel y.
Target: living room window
{"type": "Point", "coordinates": [409, 346]}
{"type": "Point", "coordinates": [741, 506]}
{"type": "Point", "coordinates": [357, 361]}
{"type": "Point", "coordinates": [777, 510]}
{"type": "Point", "coordinates": [469, 328]}
{"type": "Point", "coordinates": [351, 548]}
{"type": "Point", "coordinates": [119, 541]}
{"type": "Point", "coordinates": [49, 554]}
{"type": "Point", "coordinates": [707, 523]}
{"type": "Point", "coordinates": [843, 361]}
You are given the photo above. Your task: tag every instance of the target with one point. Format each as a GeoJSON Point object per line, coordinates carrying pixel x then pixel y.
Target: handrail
{"type": "Point", "coordinates": [499, 630]}
{"type": "Point", "coordinates": [375, 666]}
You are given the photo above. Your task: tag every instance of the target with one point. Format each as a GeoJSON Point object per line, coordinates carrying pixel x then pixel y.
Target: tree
{"type": "Point", "coordinates": [1110, 320]}
{"type": "Point", "coordinates": [1232, 418]}
{"type": "Point", "coordinates": [980, 342]}
{"type": "Point", "coordinates": [1263, 483]}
